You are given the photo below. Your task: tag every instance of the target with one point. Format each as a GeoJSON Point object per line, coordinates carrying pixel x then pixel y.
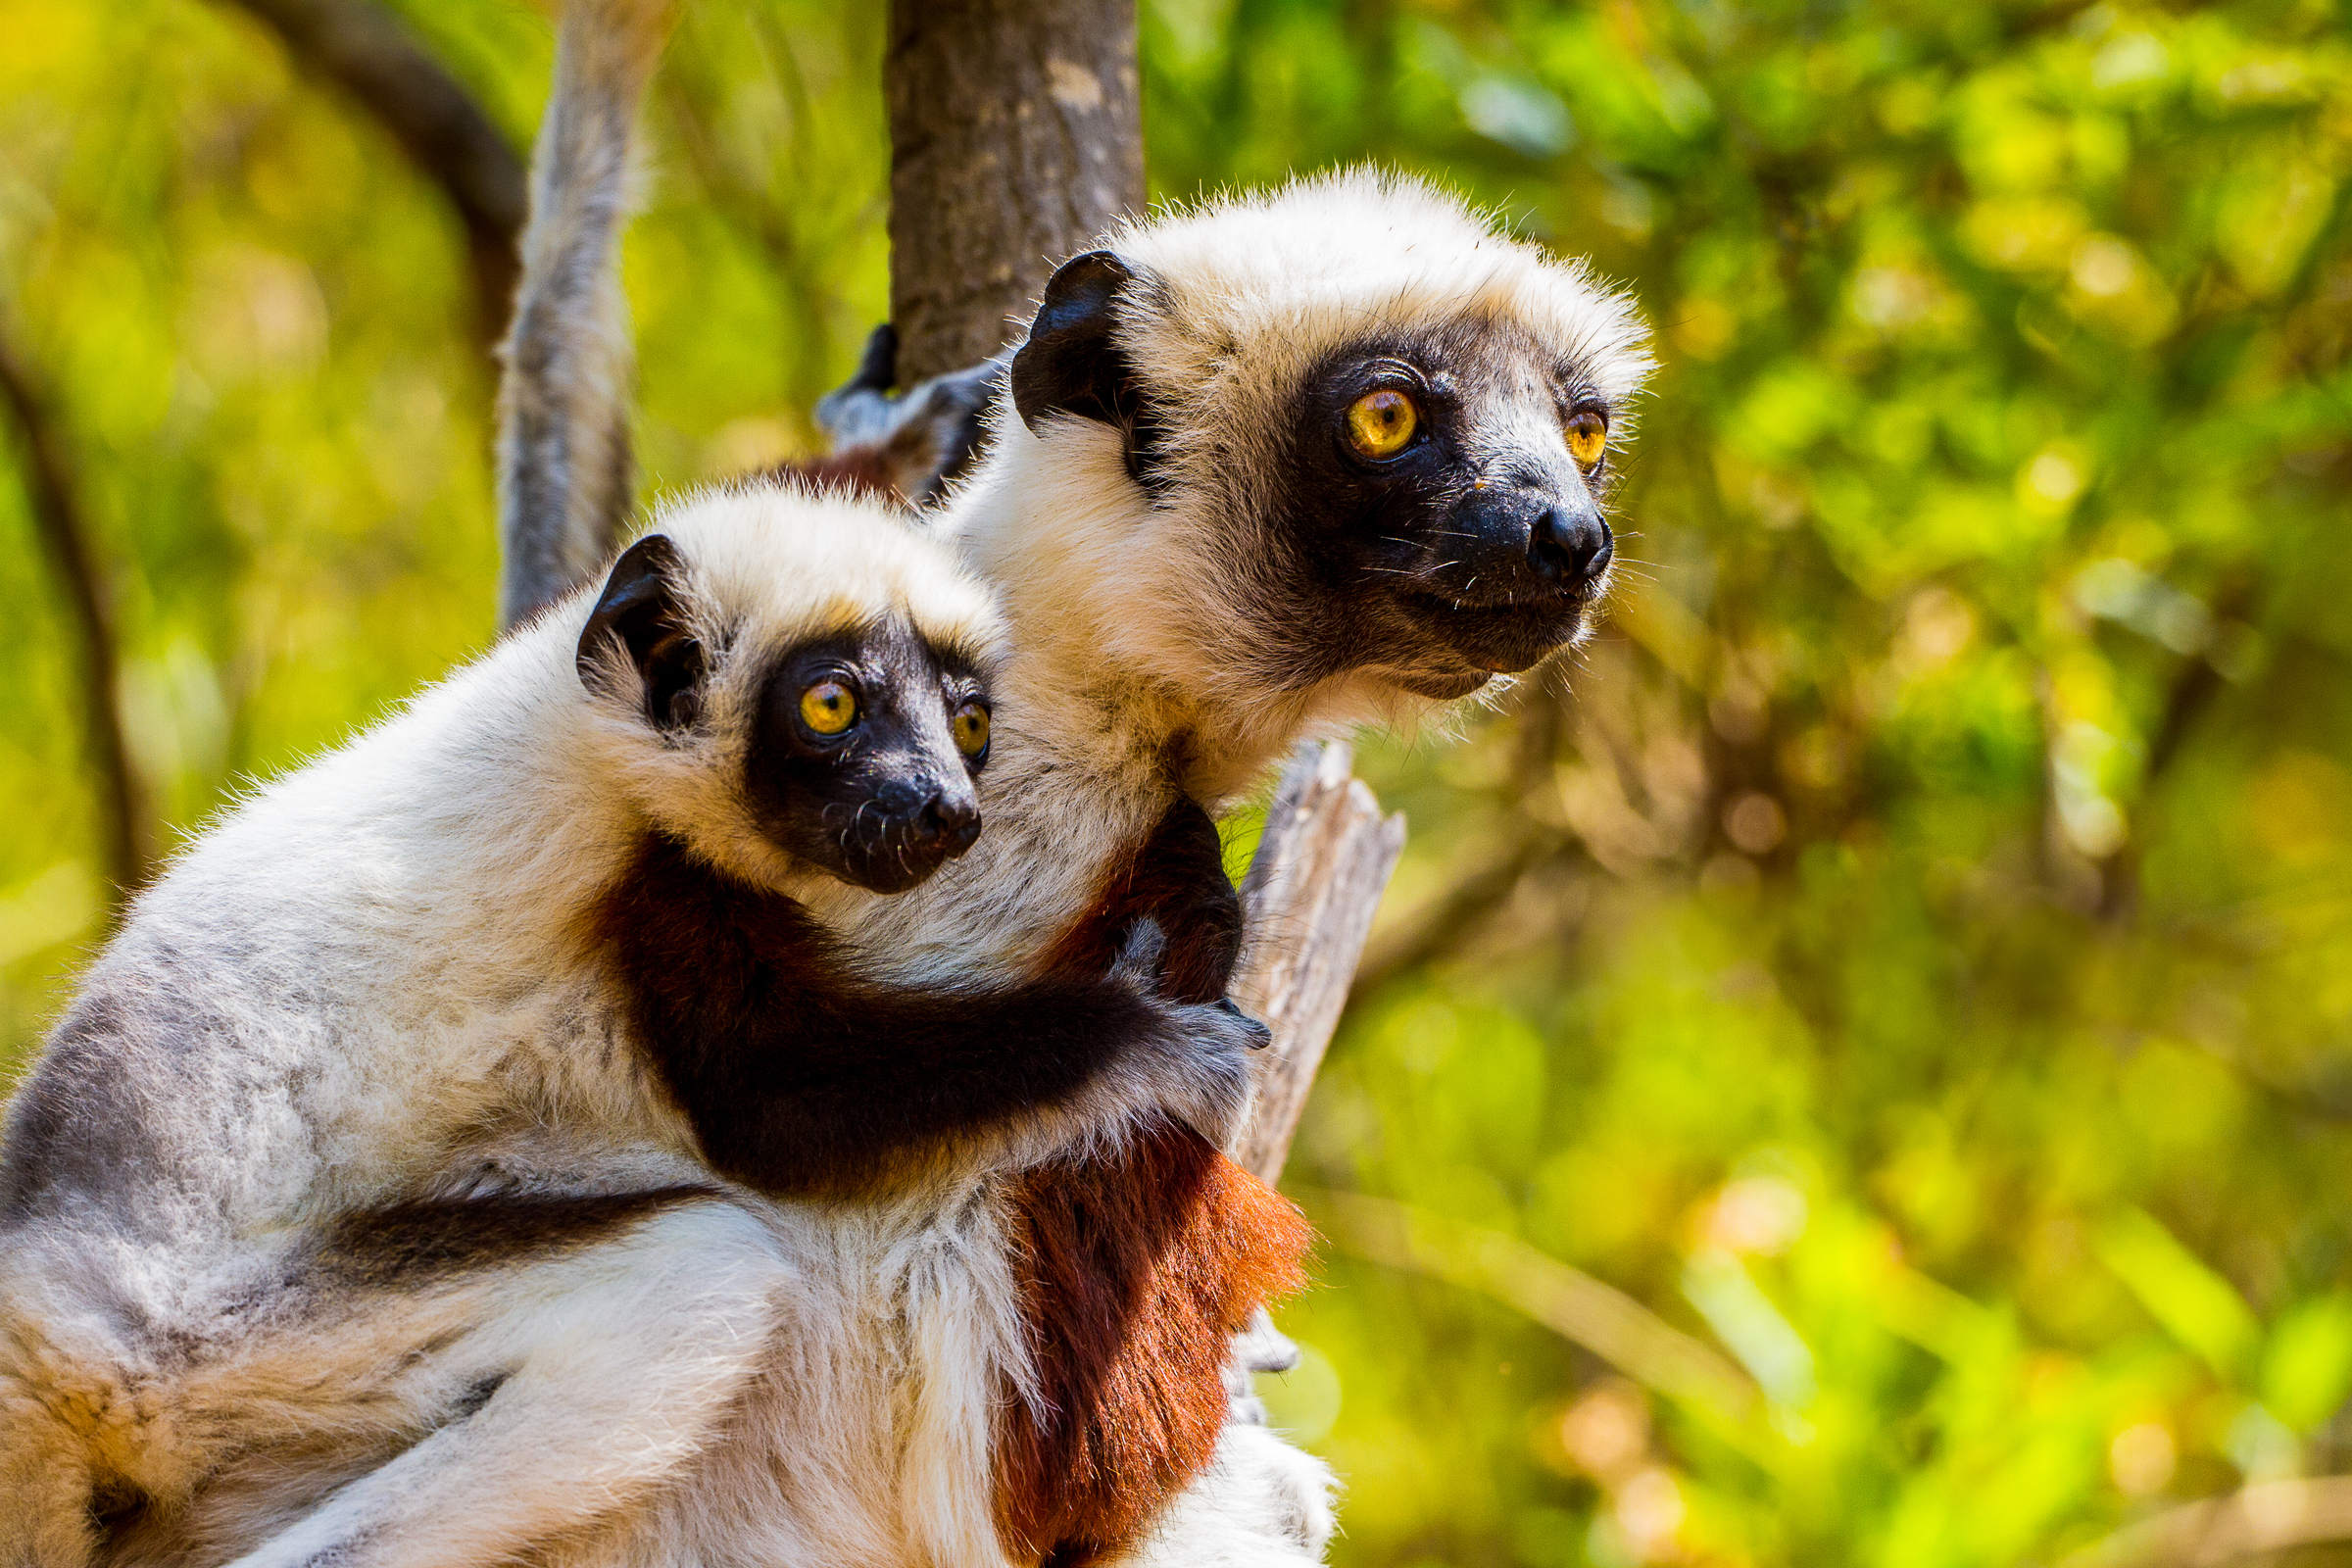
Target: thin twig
{"type": "Point", "coordinates": [1582, 1309]}
{"type": "Point", "coordinates": [2270, 1516]}
{"type": "Point", "coordinates": [367, 52]}
{"type": "Point", "coordinates": [52, 499]}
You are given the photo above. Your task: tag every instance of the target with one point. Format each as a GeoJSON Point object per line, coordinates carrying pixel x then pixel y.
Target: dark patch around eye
{"type": "Point", "coordinates": [962, 661]}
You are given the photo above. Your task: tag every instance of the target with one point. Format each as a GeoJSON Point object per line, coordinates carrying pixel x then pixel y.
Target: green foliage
{"type": "Point", "coordinates": [1909, 954]}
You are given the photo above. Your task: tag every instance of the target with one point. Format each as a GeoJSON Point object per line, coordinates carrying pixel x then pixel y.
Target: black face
{"type": "Point", "coordinates": [1439, 516]}
{"type": "Point", "coordinates": [862, 757]}
{"type": "Point", "coordinates": [1437, 493]}
{"type": "Point", "coordinates": [864, 744]}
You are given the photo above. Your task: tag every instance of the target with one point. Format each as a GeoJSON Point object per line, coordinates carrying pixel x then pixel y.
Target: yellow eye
{"type": "Point", "coordinates": [1381, 424]}
{"type": "Point", "coordinates": [970, 726]}
{"type": "Point", "coordinates": [1588, 433]}
{"type": "Point", "coordinates": [828, 708]}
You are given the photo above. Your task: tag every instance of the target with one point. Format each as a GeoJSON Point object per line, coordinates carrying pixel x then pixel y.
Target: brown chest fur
{"type": "Point", "coordinates": [1136, 1269]}
{"type": "Point", "coordinates": [1135, 1272]}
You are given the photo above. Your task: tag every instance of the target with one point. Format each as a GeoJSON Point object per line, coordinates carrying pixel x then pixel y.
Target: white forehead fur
{"type": "Point", "coordinates": [776, 565]}
{"type": "Point", "coordinates": [1287, 276]}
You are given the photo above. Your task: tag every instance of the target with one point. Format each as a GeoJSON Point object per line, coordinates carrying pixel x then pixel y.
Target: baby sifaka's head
{"type": "Point", "coordinates": [786, 681]}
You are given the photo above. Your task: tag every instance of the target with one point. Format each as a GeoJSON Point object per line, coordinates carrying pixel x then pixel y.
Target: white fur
{"type": "Point", "coordinates": [1137, 669]}
{"type": "Point", "coordinates": [369, 982]}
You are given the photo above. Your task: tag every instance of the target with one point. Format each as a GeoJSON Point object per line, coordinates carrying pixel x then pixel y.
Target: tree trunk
{"type": "Point", "coordinates": [1016, 136]}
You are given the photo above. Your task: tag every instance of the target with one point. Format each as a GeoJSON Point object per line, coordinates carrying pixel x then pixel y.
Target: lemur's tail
{"type": "Point", "coordinates": [565, 467]}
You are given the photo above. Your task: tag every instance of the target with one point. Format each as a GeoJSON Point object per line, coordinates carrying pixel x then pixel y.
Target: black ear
{"type": "Point", "coordinates": [643, 610]}
{"type": "Point", "coordinates": [1070, 365]}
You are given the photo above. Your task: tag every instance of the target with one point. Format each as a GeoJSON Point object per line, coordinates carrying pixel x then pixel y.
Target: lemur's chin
{"type": "Point", "coordinates": [895, 868]}
{"type": "Point", "coordinates": [1501, 638]}
{"type": "Point", "coordinates": [1441, 685]}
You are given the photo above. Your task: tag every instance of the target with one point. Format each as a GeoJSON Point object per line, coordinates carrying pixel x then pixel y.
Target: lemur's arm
{"type": "Point", "coordinates": [799, 1077]}
{"type": "Point", "coordinates": [565, 467]}
{"type": "Point", "coordinates": [868, 1082]}
{"type": "Point", "coordinates": [1177, 880]}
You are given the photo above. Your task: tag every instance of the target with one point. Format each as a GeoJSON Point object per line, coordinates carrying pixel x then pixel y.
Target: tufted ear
{"type": "Point", "coordinates": [1068, 364]}
{"type": "Point", "coordinates": [642, 614]}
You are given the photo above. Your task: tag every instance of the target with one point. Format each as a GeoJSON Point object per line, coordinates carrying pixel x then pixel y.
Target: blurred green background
{"type": "Point", "coordinates": [1856, 1069]}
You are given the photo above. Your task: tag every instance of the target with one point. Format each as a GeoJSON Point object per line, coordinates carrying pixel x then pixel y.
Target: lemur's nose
{"type": "Point", "coordinates": [949, 822]}
{"type": "Point", "coordinates": [1570, 544]}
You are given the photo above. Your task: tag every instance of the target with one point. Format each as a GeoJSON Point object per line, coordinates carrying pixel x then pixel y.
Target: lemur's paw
{"type": "Point", "coordinates": [1207, 1072]}
{"type": "Point", "coordinates": [1262, 1036]}
{"type": "Point", "coordinates": [860, 409]}
{"type": "Point", "coordinates": [1196, 1065]}
{"type": "Point", "coordinates": [923, 436]}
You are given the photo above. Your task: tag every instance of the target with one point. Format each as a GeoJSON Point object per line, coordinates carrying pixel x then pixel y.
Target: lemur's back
{"type": "Point", "coordinates": [252, 1047]}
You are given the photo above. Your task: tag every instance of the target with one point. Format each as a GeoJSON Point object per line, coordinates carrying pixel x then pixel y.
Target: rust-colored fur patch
{"type": "Point", "coordinates": [1134, 1271]}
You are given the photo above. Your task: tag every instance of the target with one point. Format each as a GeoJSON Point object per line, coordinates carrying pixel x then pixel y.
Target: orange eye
{"type": "Point", "coordinates": [1588, 433]}
{"type": "Point", "coordinates": [970, 728]}
{"type": "Point", "coordinates": [1381, 424]}
{"type": "Point", "coordinates": [828, 708]}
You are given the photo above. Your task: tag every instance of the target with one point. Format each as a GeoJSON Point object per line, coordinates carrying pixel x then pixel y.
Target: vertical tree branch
{"type": "Point", "coordinates": [1016, 136]}
{"type": "Point", "coordinates": [364, 49]}
{"type": "Point", "coordinates": [1312, 887]}
{"type": "Point", "coordinates": [52, 499]}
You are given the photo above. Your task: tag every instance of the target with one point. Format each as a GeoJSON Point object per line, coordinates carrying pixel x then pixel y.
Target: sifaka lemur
{"type": "Point", "coordinates": [1272, 466]}
{"type": "Point", "coordinates": [392, 1045]}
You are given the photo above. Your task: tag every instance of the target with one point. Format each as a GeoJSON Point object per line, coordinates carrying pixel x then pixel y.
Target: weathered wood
{"type": "Point", "coordinates": [1311, 892]}
{"type": "Point", "coordinates": [1016, 135]}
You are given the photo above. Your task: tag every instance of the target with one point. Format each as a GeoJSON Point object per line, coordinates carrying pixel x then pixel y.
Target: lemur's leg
{"type": "Point", "coordinates": [1262, 1504]}
{"type": "Point", "coordinates": [575, 1378]}
{"type": "Point", "coordinates": [917, 442]}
